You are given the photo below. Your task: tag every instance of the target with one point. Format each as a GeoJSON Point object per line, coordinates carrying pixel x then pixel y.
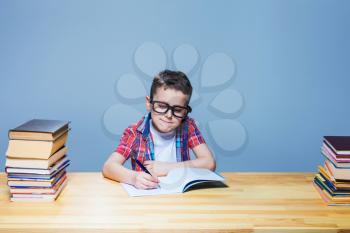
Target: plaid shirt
{"type": "Point", "coordinates": [137, 141]}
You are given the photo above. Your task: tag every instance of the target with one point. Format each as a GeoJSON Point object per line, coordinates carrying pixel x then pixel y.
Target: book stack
{"type": "Point", "coordinates": [37, 159]}
{"type": "Point", "coordinates": [333, 178]}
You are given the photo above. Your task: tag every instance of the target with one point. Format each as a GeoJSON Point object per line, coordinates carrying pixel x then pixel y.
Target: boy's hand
{"type": "Point", "coordinates": [145, 181]}
{"type": "Point", "coordinates": [158, 168]}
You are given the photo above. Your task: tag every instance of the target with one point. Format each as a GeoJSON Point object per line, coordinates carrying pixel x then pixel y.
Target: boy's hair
{"type": "Point", "coordinates": [172, 79]}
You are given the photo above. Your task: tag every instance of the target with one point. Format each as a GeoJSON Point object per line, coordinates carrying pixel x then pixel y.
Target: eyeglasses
{"type": "Point", "coordinates": [176, 110]}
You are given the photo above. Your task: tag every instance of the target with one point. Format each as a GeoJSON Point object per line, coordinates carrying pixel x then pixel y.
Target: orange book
{"type": "Point", "coordinates": [35, 149]}
{"type": "Point", "coordinates": [336, 172]}
{"type": "Point", "coordinates": [36, 163]}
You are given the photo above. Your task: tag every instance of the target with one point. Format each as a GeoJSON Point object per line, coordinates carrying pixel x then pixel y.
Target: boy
{"type": "Point", "coordinates": [160, 140]}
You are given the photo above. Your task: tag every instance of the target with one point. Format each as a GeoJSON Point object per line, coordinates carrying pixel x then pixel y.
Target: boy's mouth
{"type": "Point", "coordinates": [166, 122]}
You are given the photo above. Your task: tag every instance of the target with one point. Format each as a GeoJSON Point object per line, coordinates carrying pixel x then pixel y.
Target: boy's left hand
{"type": "Point", "coordinates": [158, 168]}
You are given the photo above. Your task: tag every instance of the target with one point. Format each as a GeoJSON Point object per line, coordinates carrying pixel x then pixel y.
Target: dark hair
{"type": "Point", "coordinates": [172, 79]}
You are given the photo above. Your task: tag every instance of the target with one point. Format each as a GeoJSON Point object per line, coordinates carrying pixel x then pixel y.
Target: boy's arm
{"type": "Point", "coordinates": [114, 169]}
{"type": "Point", "coordinates": [204, 159]}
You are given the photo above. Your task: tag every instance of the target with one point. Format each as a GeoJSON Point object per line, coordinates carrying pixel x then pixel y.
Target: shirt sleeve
{"type": "Point", "coordinates": [195, 137]}
{"type": "Point", "coordinates": [125, 143]}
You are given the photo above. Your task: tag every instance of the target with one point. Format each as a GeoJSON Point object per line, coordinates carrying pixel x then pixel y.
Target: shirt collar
{"type": "Point", "coordinates": [144, 125]}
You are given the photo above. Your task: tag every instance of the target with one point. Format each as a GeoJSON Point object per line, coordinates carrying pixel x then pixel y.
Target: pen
{"type": "Point", "coordinates": [143, 168]}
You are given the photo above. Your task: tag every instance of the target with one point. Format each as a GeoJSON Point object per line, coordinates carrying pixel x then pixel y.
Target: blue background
{"type": "Point", "coordinates": [60, 60]}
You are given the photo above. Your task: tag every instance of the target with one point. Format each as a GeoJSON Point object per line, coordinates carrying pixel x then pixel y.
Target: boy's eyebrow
{"type": "Point", "coordinates": [171, 105]}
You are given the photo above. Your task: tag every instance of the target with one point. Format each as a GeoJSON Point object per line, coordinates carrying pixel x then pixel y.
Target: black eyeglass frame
{"type": "Point", "coordinates": [188, 108]}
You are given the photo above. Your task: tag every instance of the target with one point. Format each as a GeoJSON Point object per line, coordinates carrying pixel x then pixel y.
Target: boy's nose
{"type": "Point", "coordinates": [169, 113]}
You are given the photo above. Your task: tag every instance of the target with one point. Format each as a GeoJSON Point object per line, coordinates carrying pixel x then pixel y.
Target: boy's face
{"type": "Point", "coordinates": [166, 122]}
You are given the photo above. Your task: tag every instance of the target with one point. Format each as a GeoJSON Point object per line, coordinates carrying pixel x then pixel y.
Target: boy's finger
{"type": "Point", "coordinates": [148, 176]}
{"type": "Point", "coordinates": [146, 162]}
{"type": "Point", "coordinates": [152, 178]}
{"type": "Point", "coordinates": [150, 184]}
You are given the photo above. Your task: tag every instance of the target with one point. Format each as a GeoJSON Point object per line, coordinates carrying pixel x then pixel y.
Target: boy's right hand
{"type": "Point", "coordinates": [145, 181]}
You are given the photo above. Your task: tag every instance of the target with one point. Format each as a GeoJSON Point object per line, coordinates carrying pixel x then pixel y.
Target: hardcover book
{"type": "Point", "coordinates": [36, 163]}
{"type": "Point", "coordinates": [54, 169]}
{"type": "Point", "coordinates": [35, 149]}
{"type": "Point", "coordinates": [39, 129]}
{"type": "Point", "coordinates": [339, 144]}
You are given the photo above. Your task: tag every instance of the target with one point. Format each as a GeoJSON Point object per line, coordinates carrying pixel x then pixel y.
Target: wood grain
{"type": "Point", "coordinates": [253, 202]}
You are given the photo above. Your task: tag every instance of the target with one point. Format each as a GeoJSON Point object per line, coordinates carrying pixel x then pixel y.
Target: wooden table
{"type": "Point", "coordinates": [253, 202]}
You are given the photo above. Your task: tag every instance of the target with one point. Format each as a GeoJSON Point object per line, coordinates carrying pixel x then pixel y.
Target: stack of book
{"type": "Point", "coordinates": [333, 178]}
{"type": "Point", "coordinates": [37, 159]}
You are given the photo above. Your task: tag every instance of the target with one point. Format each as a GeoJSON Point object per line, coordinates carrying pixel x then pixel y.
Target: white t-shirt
{"type": "Point", "coordinates": [164, 145]}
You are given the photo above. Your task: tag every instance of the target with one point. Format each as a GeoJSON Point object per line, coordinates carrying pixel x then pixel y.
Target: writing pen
{"type": "Point", "coordinates": [143, 168]}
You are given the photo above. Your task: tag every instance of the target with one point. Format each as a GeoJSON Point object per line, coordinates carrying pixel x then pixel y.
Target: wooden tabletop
{"type": "Point", "coordinates": [253, 202]}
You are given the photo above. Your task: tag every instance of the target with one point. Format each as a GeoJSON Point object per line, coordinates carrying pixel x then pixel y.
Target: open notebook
{"type": "Point", "coordinates": [177, 181]}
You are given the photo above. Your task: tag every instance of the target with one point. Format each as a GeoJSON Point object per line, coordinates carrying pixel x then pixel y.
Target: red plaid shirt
{"type": "Point", "coordinates": [135, 141]}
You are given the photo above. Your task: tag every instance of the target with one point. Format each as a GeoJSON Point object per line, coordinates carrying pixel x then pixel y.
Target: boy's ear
{"type": "Point", "coordinates": [148, 103]}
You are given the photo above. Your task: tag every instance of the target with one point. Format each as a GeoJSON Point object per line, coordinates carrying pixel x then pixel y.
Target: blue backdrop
{"type": "Point", "coordinates": [271, 77]}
